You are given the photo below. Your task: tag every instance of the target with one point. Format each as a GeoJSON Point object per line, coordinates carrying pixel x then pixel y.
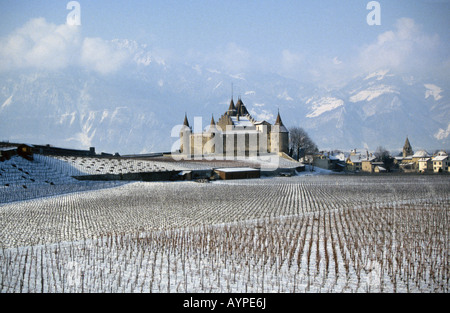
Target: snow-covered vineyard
{"type": "Point", "coordinates": [333, 233]}
{"type": "Point", "coordinates": [21, 179]}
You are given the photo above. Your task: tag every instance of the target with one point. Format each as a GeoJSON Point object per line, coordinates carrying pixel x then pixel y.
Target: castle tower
{"type": "Point", "coordinates": [279, 137]}
{"type": "Point", "coordinates": [212, 138]}
{"type": "Point", "coordinates": [407, 149]}
{"type": "Point", "coordinates": [185, 137]}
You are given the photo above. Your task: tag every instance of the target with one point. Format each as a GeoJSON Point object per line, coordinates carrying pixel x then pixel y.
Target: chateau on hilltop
{"type": "Point", "coordinates": [236, 134]}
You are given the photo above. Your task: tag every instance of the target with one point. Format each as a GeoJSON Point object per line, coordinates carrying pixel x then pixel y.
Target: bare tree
{"type": "Point", "coordinates": [384, 156]}
{"type": "Point", "coordinates": [300, 143]}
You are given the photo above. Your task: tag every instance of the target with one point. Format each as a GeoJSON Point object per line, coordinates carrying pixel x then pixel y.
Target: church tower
{"type": "Point", "coordinates": [407, 149]}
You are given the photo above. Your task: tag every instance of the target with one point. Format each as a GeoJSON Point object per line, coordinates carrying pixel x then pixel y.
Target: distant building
{"type": "Point", "coordinates": [236, 133]}
{"type": "Point", "coordinates": [425, 165]}
{"type": "Point", "coordinates": [407, 149]}
{"type": "Point", "coordinates": [356, 160]}
{"type": "Point", "coordinates": [371, 166]}
{"type": "Point", "coordinates": [409, 162]}
{"type": "Point", "coordinates": [441, 162]}
{"type": "Point", "coordinates": [7, 153]}
{"type": "Point", "coordinates": [329, 161]}
{"type": "Point", "coordinates": [238, 173]}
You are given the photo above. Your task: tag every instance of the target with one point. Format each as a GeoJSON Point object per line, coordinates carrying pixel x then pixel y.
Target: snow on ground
{"type": "Point", "coordinates": [321, 233]}
{"type": "Point", "coordinates": [323, 105]}
{"type": "Point", "coordinates": [372, 93]}
{"type": "Point", "coordinates": [102, 165]}
{"type": "Point", "coordinates": [21, 179]}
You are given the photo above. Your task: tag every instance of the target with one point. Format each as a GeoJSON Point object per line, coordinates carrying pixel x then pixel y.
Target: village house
{"type": "Point", "coordinates": [440, 162]}
{"type": "Point", "coordinates": [413, 162]}
{"type": "Point", "coordinates": [370, 166]}
{"type": "Point", "coordinates": [329, 161]}
{"type": "Point", "coordinates": [405, 162]}
{"type": "Point", "coordinates": [355, 162]}
{"type": "Point", "coordinates": [425, 165]}
{"type": "Point", "coordinates": [421, 161]}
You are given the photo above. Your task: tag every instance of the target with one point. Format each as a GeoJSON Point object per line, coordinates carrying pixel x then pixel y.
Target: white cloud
{"type": "Point", "coordinates": [43, 45]}
{"type": "Point", "coordinates": [40, 44]}
{"type": "Point", "coordinates": [336, 61]}
{"type": "Point", "coordinates": [262, 115]}
{"type": "Point", "coordinates": [442, 133]}
{"type": "Point", "coordinates": [291, 63]}
{"type": "Point", "coordinates": [433, 91]}
{"type": "Point", "coordinates": [405, 48]}
{"type": "Point", "coordinates": [102, 56]}
{"type": "Point", "coordinates": [233, 58]}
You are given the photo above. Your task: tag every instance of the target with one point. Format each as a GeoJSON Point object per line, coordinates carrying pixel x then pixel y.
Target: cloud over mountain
{"type": "Point", "coordinates": [42, 45]}
{"type": "Point", "coordinates": [405, 48]}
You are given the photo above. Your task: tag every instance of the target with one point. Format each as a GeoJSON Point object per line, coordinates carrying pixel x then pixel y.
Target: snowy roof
{"type": "Point", "coordinates": [332, 157]}
{"type": "Point", "coordinates": [360, 158]}
{"type": "Point", "coordinates": [243, 121]}
{"type": "Point", "coordinates": [440, 158]}
{"type": "Point", "coordinates": [237, 169]}
{"type": "Point", "coordinates": [8, 149]}
{"type": "Point", "coordinates": [421, 154]}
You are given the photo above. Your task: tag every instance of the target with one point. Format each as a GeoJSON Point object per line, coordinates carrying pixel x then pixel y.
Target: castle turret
{"type": "Point", "coordinates": [186, 122]}
{"type": "Point", "coordinates": [279, 137]}
{"type": "Point", "coordinates": [185, 137]}
{"type": "Point", "coordinates": [240, 108]}
{"type": "Point", "coordinates": [213, 143]}
{"type": "Point", "coordinates": [232, 109]}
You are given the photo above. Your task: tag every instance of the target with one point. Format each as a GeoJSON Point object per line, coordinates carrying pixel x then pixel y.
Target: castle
{"type": "Point", "coordinates": [236, 134]}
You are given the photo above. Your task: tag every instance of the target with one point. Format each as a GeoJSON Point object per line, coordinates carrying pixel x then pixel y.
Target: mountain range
{"type": "Point", "coordinates": [137, 109]}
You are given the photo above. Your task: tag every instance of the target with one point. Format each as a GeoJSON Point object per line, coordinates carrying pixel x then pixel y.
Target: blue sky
{"type": "Point", "coordinates": [286, 36]}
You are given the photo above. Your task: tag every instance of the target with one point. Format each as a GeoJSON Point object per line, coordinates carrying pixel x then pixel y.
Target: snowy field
{"type": "Point", "coordinates": [321, 233]}
{"type": "Point", "coordinates": [45, 176]}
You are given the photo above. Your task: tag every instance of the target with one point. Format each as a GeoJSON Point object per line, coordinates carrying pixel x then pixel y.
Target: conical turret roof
{"type": "Point", "coordinates": [186, 122]}
{"type": "Point", "coordinates": [241, 108]}
{"type": "Point", "coordinates": [407, 149]}
{"type": "Point", "coordinates": [279, 123]}
{"type": "Point", "coordinates": [232, 106]}
{"type": "Point", "coordinates": [407, 143]}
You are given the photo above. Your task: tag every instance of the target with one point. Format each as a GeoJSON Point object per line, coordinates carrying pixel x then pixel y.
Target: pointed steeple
{"type": "Point", "coordinates": [407, 149]}
{"type": "Point", "coordinates": [232, 106]}
{"type": "Point", "coordinates": [213, 122]}
{"type": "Point", "coordinates": [232, 109]}
{"type": "Point", "coordinates": [279, 122]}
{"type": "Point", "coordinates": [240, 108]}
{"type": "Point", "coordinates": [186, 122]}
{"type": "Point", "coordinates": [407, 143]}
